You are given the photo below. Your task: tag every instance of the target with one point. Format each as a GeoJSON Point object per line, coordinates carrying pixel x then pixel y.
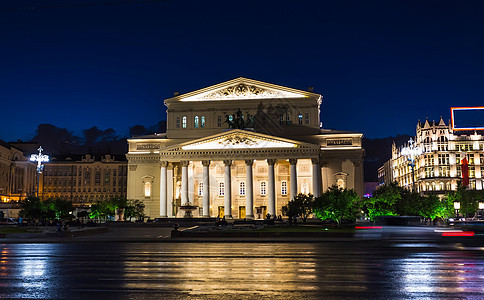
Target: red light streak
{"type": "Point", "coordinates": [459, 233]}
{"type": "Point", "coordinates": [368, 227]}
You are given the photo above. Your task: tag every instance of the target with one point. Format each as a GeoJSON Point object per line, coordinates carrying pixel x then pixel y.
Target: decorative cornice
{"type": "Point", "coordinates": [242, 91]}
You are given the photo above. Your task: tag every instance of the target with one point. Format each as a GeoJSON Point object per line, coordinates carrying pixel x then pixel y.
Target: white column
{"type": "Point", "coordinates": [293, 178]}
{"type": "Point", "coordinates": [163, 189]}
{"type": "Point", "coordinates": [169, 190]}
{"type": "Point", "coordinates": [228, 190]}
{"type": "Point", "coordinates": [184, 187]}
{"type": "Point", "coordinates": [316, 176]}
{"type": "Point", "coordinates": [272, 188]}
{"type": "Point", "coordinates": [249, 194]}
{"type": "Point", "coordinates": [206, 188]}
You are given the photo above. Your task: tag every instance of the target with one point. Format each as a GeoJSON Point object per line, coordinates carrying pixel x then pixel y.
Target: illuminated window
{"type": "Point", "coordinates": [177, 122]}
{"type": "Point", "coordinates": [306, 118]}
{"type": "Point", "coordinates": [148, 189]}
{"type": "Point", "coordinates": [202, 121]}
{"type": "Point", "coordinates": [242, 189]}
{"type": "Point", "coordinates": [219, 121]}
{"type": "Point", "coordinates": [196, 122]}
{"type": "Point", "coordinates": [263, 186]}
{"type": "Point", "coordinates": [184, 122]}
{"type": "Point", "coordinates": [200, 189]}
{"type": "Point", "coordinates": [470, 159]}
{"type": "Point", "coordinates": [300, 119]}
{"type": "Point", "coordinates": [284, 187]}
{"type": "Point", "coordinates": [221, 189]}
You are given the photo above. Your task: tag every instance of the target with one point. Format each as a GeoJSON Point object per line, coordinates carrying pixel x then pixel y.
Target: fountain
{"type": "Point", "coordinates": [188, 208]}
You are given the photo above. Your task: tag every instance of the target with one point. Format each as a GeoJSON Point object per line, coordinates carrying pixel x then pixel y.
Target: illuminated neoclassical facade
{"type": "Point", "coordinates": [240, 149]}
{"type": "Point", "coordinates": [438, 164]}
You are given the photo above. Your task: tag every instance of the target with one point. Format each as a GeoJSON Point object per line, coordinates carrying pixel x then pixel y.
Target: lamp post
{"type": "Point", "coordinates": [39, 158]}
{"type": "Point", "coordinates": [412, 151]}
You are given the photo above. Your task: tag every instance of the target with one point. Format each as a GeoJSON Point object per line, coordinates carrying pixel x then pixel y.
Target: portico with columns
{"type": "Point", "coordinates": [244, 172]}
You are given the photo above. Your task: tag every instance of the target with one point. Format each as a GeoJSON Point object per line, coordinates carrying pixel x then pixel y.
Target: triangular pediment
{"type": "Point", "coordinates": [240, 139]}
{"type": "Point", "coordinates": [242, 89]}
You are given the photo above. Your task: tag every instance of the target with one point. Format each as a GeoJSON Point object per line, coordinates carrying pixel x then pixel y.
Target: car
{"type": "Point", "coordinates": [9, 221]}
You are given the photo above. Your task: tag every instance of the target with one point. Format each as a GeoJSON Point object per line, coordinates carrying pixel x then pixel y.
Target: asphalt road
{"type": "Point", "coordinates": [356, 269]}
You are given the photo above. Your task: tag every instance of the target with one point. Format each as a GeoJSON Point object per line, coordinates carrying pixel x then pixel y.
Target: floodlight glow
{"type": "Point", "coordinates": [39, 158]}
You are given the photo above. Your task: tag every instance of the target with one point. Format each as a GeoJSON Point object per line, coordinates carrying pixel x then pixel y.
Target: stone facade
{"type": "Point", "coordinates": [438, 166]}
{"type": "Point", "coordinates": [84, 179]}
{"type": "Point", "coordinates": [18, 175]}
{"type": "Point", "coordinates": [240, 149]}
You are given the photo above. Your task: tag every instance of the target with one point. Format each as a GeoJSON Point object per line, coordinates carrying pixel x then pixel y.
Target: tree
{"type": "Point", "coordinates": [429, 206]}
{"type": "Point", "coordinates": [384, 200]}
{"type": "Point", "coordinates": [469, 199]}
{"type": "Point", "coordinates": [300, 206]}
{"type": "Point", "coordinates": [337, 204]}
{"type": "Point", "coordinates": [31, 207]}
{"type": "Point", "coordinates": [134, 209]}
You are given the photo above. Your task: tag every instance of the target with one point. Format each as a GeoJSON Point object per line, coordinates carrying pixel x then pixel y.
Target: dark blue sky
{"type": "Point", "coordinates": [380, 66]}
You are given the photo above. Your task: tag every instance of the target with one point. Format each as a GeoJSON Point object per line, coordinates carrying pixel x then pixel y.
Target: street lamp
{"type": "Point", "coordinates": [457, 208]}
{"type": "Point", "coordinates": [39, 158]}
{"type": "Point", "coordinates": [412, 151]}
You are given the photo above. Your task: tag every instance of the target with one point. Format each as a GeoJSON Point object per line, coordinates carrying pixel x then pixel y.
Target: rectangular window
{"type": "Point", "coordinates": [300, 119]}
{"type": "Point", "coordinates": [284, 187]}
{"type": "Point", "coordinates": [263, 186]}
{"type": "Point", "coordinates": [242, 189]}
{"type": "Point", "coordinates": [306, 118]}
{"type": "Point", "coordinates": [281, 119]}
{"type": "Point", "coordinates": [470, 158]}
{"type": "Point", "coordinates": [221, 189]}
{"type": "Point", "coordinates": [288, 119]}
{"type": "Point", "coordinates": [200, 189]}
{"type": "Point", "coordinates": [219, 121]}
{"type": "Point", "coordinates": [177, 122]}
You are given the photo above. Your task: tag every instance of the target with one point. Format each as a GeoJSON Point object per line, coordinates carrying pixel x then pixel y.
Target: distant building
{"type": "Point", "coordinates": [18, 175]}
{"type": "Point", "coordinates": [385, 173]}
{"type": "Point", "coordinates": [84, 179]}
{"type": "Point", "coordinates": [438, 167]}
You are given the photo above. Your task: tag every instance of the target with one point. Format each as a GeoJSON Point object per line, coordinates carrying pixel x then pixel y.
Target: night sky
{"type": "Point", "coordinates": [380, 66]}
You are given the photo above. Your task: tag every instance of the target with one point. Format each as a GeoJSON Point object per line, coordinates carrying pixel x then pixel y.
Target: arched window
{"type": "Point", "coordinates": [442, 143]}
{"type": "Point", "coordinates": [221, 189]}
{"type": "Point", "coordinates": [184, 122]}
{"type": "Point", "coordinates": [106, 176]}
{"type": "Point", "coordinates": [195, 124]}
{"type": "Point", "coordinates": [341, 184]}
{"type": "Point", "coordinates": [87, 178]}
{"type": "Point", "coordinates": [300, 119]}
{"type": "Point", "coordinates": [304, 188]}
{"type": "Point", "coordinates": [283, 187]}
{"type": "Point", "coordinates": [177, 122]}
{"type": "Point", "coordinates": [97, 178]}
{"type": "Point", "coordinates": [242, 188]}
{"type": "Point", "coordinates": [202, 121]}
{"type": "Point", "coordinates": [148, 189]}
{"type": "Point", "coordinates": [200, 189]}
{"type": "Point", "coordinates": [263, 187]}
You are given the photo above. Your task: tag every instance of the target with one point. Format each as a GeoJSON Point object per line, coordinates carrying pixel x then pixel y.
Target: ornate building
{"type": "Point", "coordinates": [84, 179]}
{"type": "Point", "coordinates": [438, 164]}
{"type": "Point", "coordinates": [18, 175]}
{"type": "Point", "coordinates": [240, 149]}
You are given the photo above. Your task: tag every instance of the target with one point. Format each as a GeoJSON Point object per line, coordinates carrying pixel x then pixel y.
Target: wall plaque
{"type": "Point", "coordinates": [339, 142]}
{"type": "Point", "coordinates": [146, 146]}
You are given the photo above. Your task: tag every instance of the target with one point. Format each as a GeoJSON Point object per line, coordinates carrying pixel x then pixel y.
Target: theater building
{"type": "Point", "coordinates": [240, 149]}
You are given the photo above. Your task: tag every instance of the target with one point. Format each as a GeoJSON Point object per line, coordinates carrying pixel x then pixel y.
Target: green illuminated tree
{"type": "Point", "coordinates": [384, 201]}
{"type": "Point", "coordinates": [337, 205]}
